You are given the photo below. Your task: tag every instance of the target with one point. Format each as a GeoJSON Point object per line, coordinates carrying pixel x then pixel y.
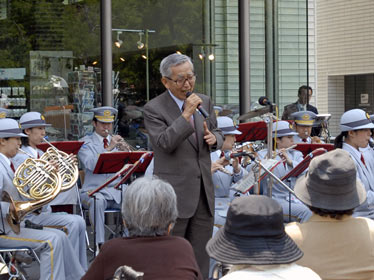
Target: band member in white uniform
{"type": "Point", "coordinates": [58, 259]}
{"type": "Point", "coordinates": [33, 125]}
{"type": "Point", "coordinates": [101, 141]}
{"type": "Point", "coordinates": [304, 121]}
{"type": "Point", "coordinates": [368, 151]}
{"type": "Point", "coordinates": [224, 174]}
{"type": "Point", "coordinates": [355, 127]}
{"type": "Point", "coordinates": [283, 139]}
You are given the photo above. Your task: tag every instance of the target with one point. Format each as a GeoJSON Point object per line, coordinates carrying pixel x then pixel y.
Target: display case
{"type": "Point", "coordinates": [13, 91]}
{"type": "Point", "coordinates": [83, 87]}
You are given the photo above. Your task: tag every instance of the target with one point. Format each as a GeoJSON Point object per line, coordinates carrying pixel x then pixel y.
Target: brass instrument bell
{"type": "Point", "coordinates": [37, 181]}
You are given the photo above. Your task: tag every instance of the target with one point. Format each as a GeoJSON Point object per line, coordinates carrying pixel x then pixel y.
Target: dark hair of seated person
{"type": "Point", "coordinates": [334, 214]}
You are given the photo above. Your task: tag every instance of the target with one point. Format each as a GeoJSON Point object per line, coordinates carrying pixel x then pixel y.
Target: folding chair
{"type": "Point", "coordinates": [7, 257]}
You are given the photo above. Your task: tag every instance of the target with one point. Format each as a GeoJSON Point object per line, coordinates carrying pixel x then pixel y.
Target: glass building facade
{"type": "Point", "coordinates": [50, 56]}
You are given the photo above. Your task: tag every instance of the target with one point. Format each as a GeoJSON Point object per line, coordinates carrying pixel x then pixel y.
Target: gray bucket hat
{"type": "Point", "coordinates": [10, 128]}
{"type": "Point", "coordinates": [283, 128]}
{"type": "Point", "coordinates": [227, 126]}
{"type": "Point", "coordinates": [32, 119]}
{"type": "Point", "coordinates": [331, 183]}
{"type": "Point", "coordinates": [355, 119]}
{"type": "Point", "coordinates": [253, 234]}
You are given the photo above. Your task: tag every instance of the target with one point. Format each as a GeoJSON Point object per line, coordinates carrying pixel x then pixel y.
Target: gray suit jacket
{"type": "Point", "coordinates": [177, 159]}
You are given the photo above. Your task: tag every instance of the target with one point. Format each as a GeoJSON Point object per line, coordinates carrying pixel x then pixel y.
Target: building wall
{"type": "Point", "coordinates": [345, 46]}
{"type": "Point", "coordinates": [291, 50]}
{"type": "Point", "coordinates": [227, 52]}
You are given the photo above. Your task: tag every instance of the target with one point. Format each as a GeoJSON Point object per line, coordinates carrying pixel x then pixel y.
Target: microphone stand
{"type": "Point", "coordinates": [268, 118]}
{"type": "Point", "coordinates": [253, 158]}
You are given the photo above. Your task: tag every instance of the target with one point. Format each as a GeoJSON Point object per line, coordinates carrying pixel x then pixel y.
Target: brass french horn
{"type": "Point", "coordinates": [67, 166]}
{"type": "Point", "coordinates": [36, 180]}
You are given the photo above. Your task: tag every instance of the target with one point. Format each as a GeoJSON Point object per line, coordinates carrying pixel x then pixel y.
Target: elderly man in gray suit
{"type": "Point", "coordinates": [182, 141]}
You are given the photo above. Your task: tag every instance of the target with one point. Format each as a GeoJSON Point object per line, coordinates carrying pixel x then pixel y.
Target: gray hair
{"type": "Point", "coordinates": [172, 60]}
{"type": "Point", "coordinates": [149, 206]}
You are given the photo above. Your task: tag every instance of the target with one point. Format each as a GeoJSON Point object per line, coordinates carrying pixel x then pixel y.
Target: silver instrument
{"type": "Point", "coordinates": [122, 145]}
{"type": "Point", "coordinates": [125, 272]}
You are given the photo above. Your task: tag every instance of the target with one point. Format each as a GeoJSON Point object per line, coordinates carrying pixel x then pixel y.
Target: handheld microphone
{"type": "Point", "coordinates": [263, 100]}
{"type": "Point", "coordinates": [199, 107]}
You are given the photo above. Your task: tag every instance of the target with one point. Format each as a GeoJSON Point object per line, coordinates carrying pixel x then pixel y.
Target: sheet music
{"type": "Point", "coordinates": [247, 182]}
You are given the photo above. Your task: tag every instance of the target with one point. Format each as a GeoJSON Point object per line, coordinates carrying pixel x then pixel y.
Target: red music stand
{"type": "Point", "coordinates": [118, 162]}
{"type": "Point", "coordinates": [69, 147]}
{"type": "Point", "coordinates": [306, 148]}
{"type": "Point", "coordinates": [304, 164]}
{"type": "Point", "coordinates": [252, 131]}
{"type": "Point", "coordinates": [113, 162]}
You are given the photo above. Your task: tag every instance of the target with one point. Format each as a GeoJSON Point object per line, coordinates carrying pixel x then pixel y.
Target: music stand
{"type": "Point", "coordinates": [249, 181]}
{"type": "Point", "coordinates": [113, 162]}
{"type": "Point", "coordinates": [295, 172]}
{"type": "Point", "coordinates": [252, 131]}
{"type": "Point", "coordinates": [69, 147]}
{"type": "Point", "coordinates": [306, 148]}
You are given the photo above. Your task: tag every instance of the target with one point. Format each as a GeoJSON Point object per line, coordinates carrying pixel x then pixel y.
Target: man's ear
{"type": "Point", "coordinates": [165, 82]}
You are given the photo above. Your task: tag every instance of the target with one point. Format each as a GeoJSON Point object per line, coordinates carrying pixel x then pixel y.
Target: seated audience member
{"type": "Point", "coordinates": [149, 210]}
{"type": "Point", "coordinates": [253, 240]}
{"type": "Point", "coordinates": [304, 121]}
{"type": "Point", "coordinates": [335, 244]}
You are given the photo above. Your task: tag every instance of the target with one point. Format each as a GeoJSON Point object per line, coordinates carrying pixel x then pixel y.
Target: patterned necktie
{"type": "Point", "coordinates": [105, 143]}
{"type": "Point", "coordinates": [12, 167]}
{"type": "Point", "coordinates": [363, 160]}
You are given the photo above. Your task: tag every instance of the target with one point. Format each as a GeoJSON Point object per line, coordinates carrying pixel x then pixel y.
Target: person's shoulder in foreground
{"type": "Point", "coordinates": [254, 242]}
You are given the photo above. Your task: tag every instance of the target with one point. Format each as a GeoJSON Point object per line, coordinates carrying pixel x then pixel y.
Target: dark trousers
{"type": "Point", "coordinates": [198, 230]}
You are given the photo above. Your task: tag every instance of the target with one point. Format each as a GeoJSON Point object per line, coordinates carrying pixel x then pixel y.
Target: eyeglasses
{"type": "Point", "coordinates": [180, 81]}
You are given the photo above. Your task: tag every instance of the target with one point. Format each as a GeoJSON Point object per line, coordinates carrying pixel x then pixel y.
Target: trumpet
{"type": "Point", "coordinates": [36, 180]}
{"type": "Point", "coordinates": [122, 145]}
